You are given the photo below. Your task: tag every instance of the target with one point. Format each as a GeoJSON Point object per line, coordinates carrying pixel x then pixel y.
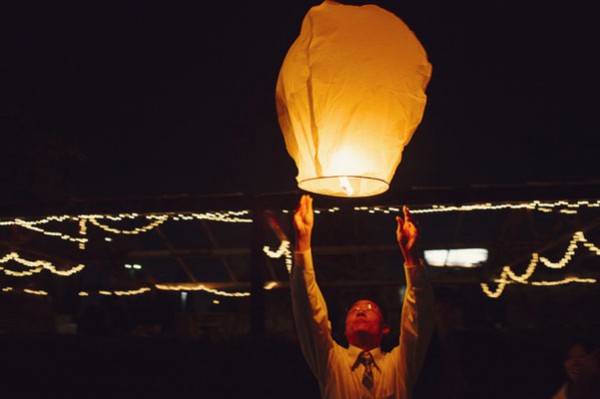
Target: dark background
{"type": "Point", "coordinates": [131, 99]}
{"type": "Point", "coordinates": [152, 98]}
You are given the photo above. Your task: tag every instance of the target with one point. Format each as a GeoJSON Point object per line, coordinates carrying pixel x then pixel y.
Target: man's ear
{"type": "Point", "coordinates": [386, 329]}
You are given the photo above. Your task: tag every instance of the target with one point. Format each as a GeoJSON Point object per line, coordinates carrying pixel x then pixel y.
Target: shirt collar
{"type": "Point", "coordinates": [354, 351]}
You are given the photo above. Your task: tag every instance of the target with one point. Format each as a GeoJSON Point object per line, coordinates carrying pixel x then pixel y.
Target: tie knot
{"type": "Point", "coordinates": [366, 358]}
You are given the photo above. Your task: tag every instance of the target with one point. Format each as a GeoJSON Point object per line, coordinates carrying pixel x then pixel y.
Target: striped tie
{"type": "Point", "coordinates": [367, 360]}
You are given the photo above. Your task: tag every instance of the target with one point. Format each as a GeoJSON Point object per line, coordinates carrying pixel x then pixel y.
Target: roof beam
{"type": "Point", "coordinates": [416, 196]}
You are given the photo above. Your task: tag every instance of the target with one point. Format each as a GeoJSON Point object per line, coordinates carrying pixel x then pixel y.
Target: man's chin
{"type": "Point", "coordinates": [360, 328]}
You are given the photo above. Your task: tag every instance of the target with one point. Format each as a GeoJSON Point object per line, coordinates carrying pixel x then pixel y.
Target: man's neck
{"type": "Point", "coordinates": [366, 344]}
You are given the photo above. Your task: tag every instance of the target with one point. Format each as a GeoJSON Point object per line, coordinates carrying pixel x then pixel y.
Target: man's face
{"type": "Point", "coordinates": [364, 320]}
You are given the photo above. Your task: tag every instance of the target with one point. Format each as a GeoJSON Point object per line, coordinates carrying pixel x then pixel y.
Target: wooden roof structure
{"type": "Point", "coordinates": [218, 242]}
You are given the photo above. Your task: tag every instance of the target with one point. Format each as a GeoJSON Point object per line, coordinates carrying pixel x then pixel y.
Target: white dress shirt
{"type": "Point", "coordinates": [395, 373]}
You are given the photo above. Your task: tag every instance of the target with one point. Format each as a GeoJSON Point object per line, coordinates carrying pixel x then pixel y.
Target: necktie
{"type": "Point", "coordinates": [367, 360]}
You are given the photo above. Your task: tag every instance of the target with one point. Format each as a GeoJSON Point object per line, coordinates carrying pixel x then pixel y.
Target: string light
{"type": "Point", "coordinates": [24, 273]}
{"type": "Point", "coordinates": [566, 280]}
{"type": "Point", "coordinates": [35, 292]}
{"type": "Point", "coordinates": [238, 216]}
{"type": "Point", "coordinates": [36, 265]}
{"type": "Point", "coordinates": [138, 291]}
{"type": "Point", "coordinates": [199, 287]}
{"type": "Point", "coordinates": [26, 291]}
{"type": "Point", "coordinates": [137, 230]}
{"type": "Point", "coordinates": [508, 276]}
{"type": "Point", "coordinates": [571, 207]}
{"type": "Point", "coordinates": [155, 220]}
{"type": "Point", "coordinates": [283, 250]}
{"type": "Point", "coordinates": [33, 226]}
{"type": "Point", "coordinates": [152, 221]}
{"type": "Point", "coordinates": [82, 231]}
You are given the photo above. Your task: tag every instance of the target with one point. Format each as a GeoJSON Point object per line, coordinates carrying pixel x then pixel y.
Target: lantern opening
{"type": "Point", "coordinates": [344, 186]}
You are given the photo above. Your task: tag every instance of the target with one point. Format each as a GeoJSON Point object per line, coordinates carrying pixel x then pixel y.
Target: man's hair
{"type": "Point", "coordinates": [588, 344]}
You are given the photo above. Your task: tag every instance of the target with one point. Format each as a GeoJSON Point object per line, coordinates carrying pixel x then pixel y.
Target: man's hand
{"type": "Point", "coordinates": [406, 235]}
{"type": "Point", "coordinates": [304, 219]}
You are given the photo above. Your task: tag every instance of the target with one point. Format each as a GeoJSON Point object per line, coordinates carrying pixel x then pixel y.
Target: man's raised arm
{"type": "Point", "coordinates": [309, 307]}
{"type": "Point", "coordinates": [417, 321]}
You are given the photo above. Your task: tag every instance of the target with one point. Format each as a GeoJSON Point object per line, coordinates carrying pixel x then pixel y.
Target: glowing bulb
{"type": "Point", "coordinates": [346, 186]}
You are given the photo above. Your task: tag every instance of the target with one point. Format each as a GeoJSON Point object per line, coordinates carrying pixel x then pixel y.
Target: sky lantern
{"type": "Point", "coordinates": [350, 95]}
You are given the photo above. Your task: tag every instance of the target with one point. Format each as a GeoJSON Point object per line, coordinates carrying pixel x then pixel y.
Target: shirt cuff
{"type": "Point", "coordinates": [415, 275]}
{"type": "Point", "coordinates": [303, 260]}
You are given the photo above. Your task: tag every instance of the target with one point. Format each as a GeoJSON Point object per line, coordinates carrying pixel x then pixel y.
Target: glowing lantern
{"type": "Point", "coordinates": [350, 95]}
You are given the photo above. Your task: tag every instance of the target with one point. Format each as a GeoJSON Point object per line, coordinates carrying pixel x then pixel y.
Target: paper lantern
{"type": "Point", "coordinates": [349, 96]}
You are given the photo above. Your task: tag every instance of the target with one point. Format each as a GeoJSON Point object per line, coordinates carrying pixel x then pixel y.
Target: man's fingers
{"type": "Point", "coordinates": [400, 222]}
{"type": "Point", "coordinates": [407, 214]}
{"type": "Point", "coordinates": [301, 202]}
{"type": "Point", "coordinates": [408, 217]}
{"type": "Point", "coordinates": [302, 205]}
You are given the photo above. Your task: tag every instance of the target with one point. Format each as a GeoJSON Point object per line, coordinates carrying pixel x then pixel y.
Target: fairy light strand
{"type": "Point", "coordinates": [508, 276]}
{"type": "Point", "coordinates": [241, 216]}
{"type": "Point", "coordinates": [199, 287]}
{"type": "Point", "coordinates": [36, 266]}
{"type": "Point", "coordinates": [137, 230]}
{"type": "Point", "coordinates": [563, 207]}
{"type": "Point", "coordinates": [283, 250]}
{"type": "Point", "coordinates": [154, 220]}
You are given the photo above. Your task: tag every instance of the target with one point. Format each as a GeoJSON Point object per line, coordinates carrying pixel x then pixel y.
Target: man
{"type": "Point", "coordinates": [362, 370]}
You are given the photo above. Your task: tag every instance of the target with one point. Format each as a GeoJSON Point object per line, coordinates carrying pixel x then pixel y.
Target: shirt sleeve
{"type": "Point", "coordinates": [416, 325]}
{"type": "Point", "coordinates": [310, 314]}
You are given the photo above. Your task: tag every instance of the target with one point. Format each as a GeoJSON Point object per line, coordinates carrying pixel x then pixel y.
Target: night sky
{"type": "Point", "coordinates": [133, 98]}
